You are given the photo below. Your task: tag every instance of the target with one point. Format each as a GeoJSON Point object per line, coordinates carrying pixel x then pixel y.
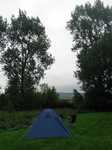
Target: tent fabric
{"type": "Point", "coordinates": [48, 124]}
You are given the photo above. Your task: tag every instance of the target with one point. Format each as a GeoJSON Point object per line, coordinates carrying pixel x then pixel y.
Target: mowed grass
{"type": "Point", "coordinates": [92, 131]}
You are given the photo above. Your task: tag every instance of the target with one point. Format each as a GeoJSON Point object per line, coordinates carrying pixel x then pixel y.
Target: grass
{"type": "Point", "coordinates": [92, 131]}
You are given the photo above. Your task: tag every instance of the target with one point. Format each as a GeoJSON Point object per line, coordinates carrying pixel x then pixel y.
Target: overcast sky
{"type": "Point", "coordinates": [53, 14]}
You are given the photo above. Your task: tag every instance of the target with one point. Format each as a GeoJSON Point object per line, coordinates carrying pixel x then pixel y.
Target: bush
{"type": "Point", "coordinates": [16, 120]}
{"type": "Point", "coordinates": [97, 100]}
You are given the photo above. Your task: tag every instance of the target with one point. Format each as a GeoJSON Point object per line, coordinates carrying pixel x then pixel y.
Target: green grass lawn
{"type": "Point", "coordinates": [93, 131]}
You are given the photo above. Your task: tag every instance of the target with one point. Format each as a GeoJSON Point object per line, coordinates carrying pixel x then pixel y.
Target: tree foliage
{"type": "Point", "coordinates": [96, 65]}
{"type": "Point", "coordinates": [89, 23]}
{"type": "Point", "coordinates": [50, 96]}
{"type": "Point", "coordinates": [24, 52]}
{"type": "Point", "coordinates": [46, 97]}
{"type": "Point", "coordinates": [91, 27]}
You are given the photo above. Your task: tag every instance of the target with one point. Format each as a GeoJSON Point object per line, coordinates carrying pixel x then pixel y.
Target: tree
{"type": "Point", "coordinates": [49, 95]}
{"type": "Point", "coordinates": [96, 65]}
{"type": "Point", "coordinates": [89, 23]}
{"type": "Point", "coordinates": [25, 55]}
{"type": "Point", "coordinates": [3, 28]}
{"type": "Point", "coordinates": [91, 27]}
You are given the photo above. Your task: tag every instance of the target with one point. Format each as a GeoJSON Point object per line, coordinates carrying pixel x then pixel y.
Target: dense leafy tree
{"type": "Point", "coordinates": [89, 23]}
{"type": "Point", "coordinates": [24, 55]}
{"type": "Point", "coordinates": [91, 27]}
{"type": "Point", "coordinates": [96, 65]}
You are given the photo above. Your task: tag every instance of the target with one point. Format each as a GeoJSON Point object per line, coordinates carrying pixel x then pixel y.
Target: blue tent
{"type": "Point", "coordinates": [48, 124]}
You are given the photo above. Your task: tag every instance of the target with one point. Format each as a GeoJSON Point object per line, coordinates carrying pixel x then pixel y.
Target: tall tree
{"type": "Point", "coordinates": [25, 56]}
{"type": "Point", "coordinates": [89, 23]}
{"type": "Point", "coordinates": [91, 27]}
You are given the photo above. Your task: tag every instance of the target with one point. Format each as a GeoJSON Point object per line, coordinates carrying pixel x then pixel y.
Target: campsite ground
{"type": "Point", "coordinates": [92, 131]}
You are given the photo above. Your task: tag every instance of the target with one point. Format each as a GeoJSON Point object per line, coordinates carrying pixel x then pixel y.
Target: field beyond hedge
{"type": "Point", "coordinates": [92, 131]}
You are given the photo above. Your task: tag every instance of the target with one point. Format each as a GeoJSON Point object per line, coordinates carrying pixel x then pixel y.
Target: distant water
{"type": "Point", "coordinates": [63, 95]}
